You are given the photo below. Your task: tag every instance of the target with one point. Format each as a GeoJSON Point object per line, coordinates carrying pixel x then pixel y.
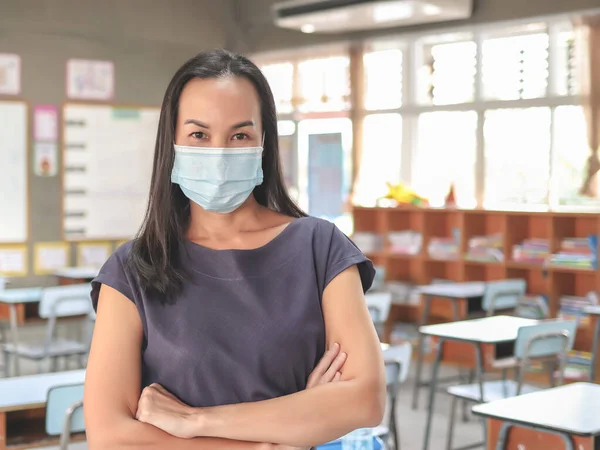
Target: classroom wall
{"type": "Point", "coordinates": [258, 34]}
{"type": "Point", "coordinates": [146, 40]}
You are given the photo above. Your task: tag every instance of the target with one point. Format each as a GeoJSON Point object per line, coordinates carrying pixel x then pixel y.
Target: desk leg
{"type": "Point", "coordinates": [432, 390]}
{"type": "Point", "coordinates": [506, 426]}
{"type": "Point", "coordinates": [424, 320]}
{"type": "Point", "coordinates": [479, 371]}
{"type": "Point", "coordinates": [15, 336]}
{"type": "Point", "coordinates": [595, 339]}
{"type": "Point", "coordinates": [3, 431]}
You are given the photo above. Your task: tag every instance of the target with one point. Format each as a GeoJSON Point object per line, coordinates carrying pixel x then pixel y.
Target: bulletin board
{"type": "Point", "coordinates": [13, 172]}
{"type": "Point", "coordinates": [107, 152]}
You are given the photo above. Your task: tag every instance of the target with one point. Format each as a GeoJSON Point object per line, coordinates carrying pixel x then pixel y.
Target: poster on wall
{"type": "Point", "coordinates": [13, 261]}
{"type": "Point", "coordinates": [10, 74]}
{"type": "Point", "coordinates": [325, 175]}
{"type": "Point", "coordinates": [50, 256]}
{"type": "Point", "coordinates": [45, 123]}
{"type": "Point", "coordinates": [90, 79]}
{"type": "Point", "coordinates": [93, 254]}
{"type": "Point", "coordinates": [45, 159]}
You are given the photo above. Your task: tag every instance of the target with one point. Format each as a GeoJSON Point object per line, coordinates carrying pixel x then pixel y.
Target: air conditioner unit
{"type": "Point", "coordinates": [339, 16]}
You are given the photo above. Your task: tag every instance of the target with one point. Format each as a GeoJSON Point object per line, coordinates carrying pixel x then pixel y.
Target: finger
{"type": "Point", "coordinates": [335, 367]}
{"type": "Point", "coordinates": [323, 365]}
{"type": "Point", "coordinates": [338, 376]}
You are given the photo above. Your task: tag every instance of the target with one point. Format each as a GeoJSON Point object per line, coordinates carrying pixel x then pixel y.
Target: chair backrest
{"type": "Point", "coordinates": [64, 403]}
{"type": "Point", "coordinates": [546, 338]}
{"type": "Point", "coordinates": [401, 354]}
{"type": "Point", "coordinates": [503, 294]}
{"type": "Point", "coordinates": [65, 301]}
{"type": "Point", "coordinates": [379, 304]}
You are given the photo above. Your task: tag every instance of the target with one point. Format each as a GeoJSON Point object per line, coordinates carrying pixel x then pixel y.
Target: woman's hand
{"type": "Point", "coordinates": [160, 408]}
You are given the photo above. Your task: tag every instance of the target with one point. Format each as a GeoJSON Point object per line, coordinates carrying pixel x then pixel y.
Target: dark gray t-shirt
{"type": "Point", "coordinates": [248, 324]}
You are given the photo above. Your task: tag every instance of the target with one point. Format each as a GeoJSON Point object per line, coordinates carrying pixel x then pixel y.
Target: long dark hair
{"type": "Point", "coordinates": [155, 254]}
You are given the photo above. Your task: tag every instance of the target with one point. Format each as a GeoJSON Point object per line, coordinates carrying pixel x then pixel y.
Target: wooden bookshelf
{"type": "Point", "coordinates": [552, 282]}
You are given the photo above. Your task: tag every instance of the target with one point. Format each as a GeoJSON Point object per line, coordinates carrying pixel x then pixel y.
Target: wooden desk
{"type": "Point", "coordinates": [22, 408]}
{"type": "Point", "coordinates": [562, 417]}
{"type": "Point", "coordinates": [489, 331]}
{"type": "Point", "coordinates": [76, 275]}
{"type": "Point", "coordinates": [16, 300]}
{"type": "Point", "coordinates": [460, 298]}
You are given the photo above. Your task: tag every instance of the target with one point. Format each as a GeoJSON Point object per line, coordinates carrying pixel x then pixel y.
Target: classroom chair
{"type": "Point", "coordinates": [57, 302]}
{"type": "Point", "coordinates": [397, 365]}
{"type": "Point", "coordinates": [502, 295]}
{"type": "Point", "coordinates": [379, 305]}
{"type": "Point", "coordinates": [547, 342]}
{"type": "Point", "coordinates": [64, 412]}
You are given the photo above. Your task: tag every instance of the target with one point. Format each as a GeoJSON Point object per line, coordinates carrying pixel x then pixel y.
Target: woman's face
{"type": "Point", "coordinates": [219, 112]}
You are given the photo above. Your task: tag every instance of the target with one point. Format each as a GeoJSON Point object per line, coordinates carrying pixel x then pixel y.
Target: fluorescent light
{"type": "Point", "coordinates": [389, 12]}
{"type": "Point", "coordinates": [308, 28]}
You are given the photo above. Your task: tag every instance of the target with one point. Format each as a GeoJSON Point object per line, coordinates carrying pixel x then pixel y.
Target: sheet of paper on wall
{"type": "Point", "coordinates": [45, 159]}
{"type": "Point", "coordinates": [46, 123]}
{"type": "Point", "coordinates": [50, 257]}
{"type": "Point", "coordinates": [93, 255]}
{"type": "Point", "coordinates": [90, 79]}
{"type": "Point", "coordinates": [13, 261]}
{"type": "Point", "coordinates": [10, 74]}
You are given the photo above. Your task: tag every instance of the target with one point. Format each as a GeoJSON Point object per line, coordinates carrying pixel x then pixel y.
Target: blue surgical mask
{"type": "Point", "coordinates": [217, 179]}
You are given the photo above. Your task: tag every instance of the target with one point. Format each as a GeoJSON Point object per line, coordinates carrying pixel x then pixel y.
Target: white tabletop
{"type": "Point", "coordinates": [78, 273]}
{"type": "Point", "coordinates": [594, 310]}
{"type": "Point", "coordinates": [18, 393]}
{"type": "Point", "coordinates": [454, 290]}
{"type": "Point", "coordinates": [22, 295]}
{"type": "Point", "coordinates": [488, 330]}
{"type": "Point", "coordinates": [568, 408]}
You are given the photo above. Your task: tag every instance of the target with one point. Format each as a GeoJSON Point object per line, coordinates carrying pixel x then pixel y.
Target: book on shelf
{"type": "Point", "coordinates": [573, 307]}
{"type": "Point", "coordinates": [578, 365]}
{"type": "Point", "coordinates": [577, 253]}
{"type": "Point", "coordinates": [485, 248]}
{"type": "Point", "coordinates": [445, 248]}
{"type": "Point", "coordinates": [368, 242]}
{"type": "Point", "coordinates": [406, 242]}
{"type": "Point", "coordinates": [531, 251]}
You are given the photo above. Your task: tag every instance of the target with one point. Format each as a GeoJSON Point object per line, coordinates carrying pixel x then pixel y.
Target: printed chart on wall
{"type": "Point", "coordinates": [13, 172]}
{"type": "Point", "coordinates": [325, 175]}
{"type": "Point", "coordinates": [108, 153]}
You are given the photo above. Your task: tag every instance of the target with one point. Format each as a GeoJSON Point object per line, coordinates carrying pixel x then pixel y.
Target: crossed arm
{"type": "Point", "coordinates": [311, 417]}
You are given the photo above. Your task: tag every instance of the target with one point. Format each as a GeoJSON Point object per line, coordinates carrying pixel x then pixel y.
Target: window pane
{"type": "Point", "coordinates": [448, 75]}
{"type": "Point", "coordinates": [567, 74]}
{"type": "Point", "coordinates": [515, 67]}
{"type": "Point", "coordinates": [325, 84]}
{"type": "Point", "coordinates": [380, 159]}
{"type": "Point", "coordinates": [446, 154]}
{"type": "Point", "coordinates": [383, 79]}
{"type": "Point", "coordinates": [281, 78]}
{"type": "Point", "coordinates": [571, 152]}
{"type": "Point", "coordinates": [517, 157]}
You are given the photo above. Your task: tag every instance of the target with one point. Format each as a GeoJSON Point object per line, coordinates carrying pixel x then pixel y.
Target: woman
{"type": "Point", "coordinates": [211, 322]}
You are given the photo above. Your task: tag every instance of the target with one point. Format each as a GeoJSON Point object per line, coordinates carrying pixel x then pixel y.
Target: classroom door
{"type": "Point", "coordinates": [325, 168]}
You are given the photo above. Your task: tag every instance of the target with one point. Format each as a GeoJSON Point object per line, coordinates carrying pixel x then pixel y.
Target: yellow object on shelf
{"type": "Point", "coordinates": [404, 195]}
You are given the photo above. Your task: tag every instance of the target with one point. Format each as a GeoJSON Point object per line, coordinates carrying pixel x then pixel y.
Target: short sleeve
{"type": "Point", "coordinates": [342, 253]}
{"type": "Point", "coordinates": [114, 273]}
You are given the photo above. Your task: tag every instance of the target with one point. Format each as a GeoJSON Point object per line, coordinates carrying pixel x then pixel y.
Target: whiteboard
{"type": "Point", "coordinates": [13, 171]}
{"type": "Point", "coordinates": [108, 153]}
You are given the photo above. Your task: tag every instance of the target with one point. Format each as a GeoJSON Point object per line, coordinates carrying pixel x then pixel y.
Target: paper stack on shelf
{"type": "Point", "coordinates": [485, 248]}
{"type": "Point", "coordinates": [406, 242]}
{"type": "Point", "coordinates": [578, 365]}
{"type": "Point", "coordinates": [368, 242]}
{"type": "Point", "coordinates": [578, 253]}
{"type": "Point", "coordinates": [532, 251]}
{"type": "Point", "coordinates": [572, 308]}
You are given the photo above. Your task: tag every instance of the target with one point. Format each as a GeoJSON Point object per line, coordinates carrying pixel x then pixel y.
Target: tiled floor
{"type": "Point", "coordinates": [411, 423]}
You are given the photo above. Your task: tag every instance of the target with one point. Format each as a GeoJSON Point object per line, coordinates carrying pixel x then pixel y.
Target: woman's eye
{"type": "Point", "coordinates": [240, 136]}
{"type": "Point", "coordinates": [198, 135]}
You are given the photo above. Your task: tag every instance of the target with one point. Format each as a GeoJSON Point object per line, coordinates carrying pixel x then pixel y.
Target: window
{"type": "Point", "coordinates": [515, 67]}
{"type": "Point", "coordinates": [325, 84]}
{"type": "Point", "coordinates": [446, 154]}
{"type": "Point", "coordinates": [517, 157]}
{"type": "Point", "coordinates": [448, 74]}
{"type": "Point", "coordinates": [383, 79]}
{"type": "Point", "coordinates": [567, 73]}
{"type": "Point", "coordinates": [571, 152]}
{"type": "Point", "coordinates": [281, 79]}
{"type": "Point", "coordinates": [380, 158]}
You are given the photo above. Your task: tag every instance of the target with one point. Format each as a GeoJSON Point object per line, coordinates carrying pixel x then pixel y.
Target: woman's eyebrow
{"type": "Point", "coordinates": [197, 123]}
{"type": "Point", "coordinates": [246, 123]}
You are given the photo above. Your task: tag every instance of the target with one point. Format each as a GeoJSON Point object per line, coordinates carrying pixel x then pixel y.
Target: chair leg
{"type": "Point", "coordinates": [451, 423]}
{"type": "Point", "coordinates": [465, 404]}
